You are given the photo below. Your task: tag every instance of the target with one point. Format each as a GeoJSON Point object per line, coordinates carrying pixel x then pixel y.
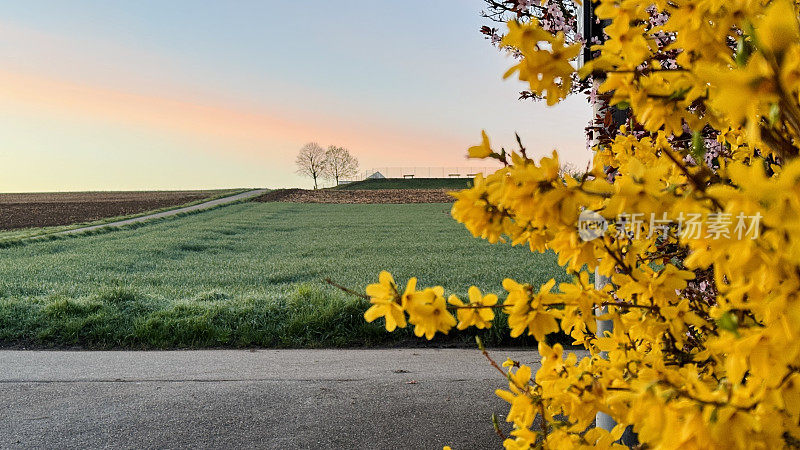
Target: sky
{"type": "Point", "coordinates": [189, 94]}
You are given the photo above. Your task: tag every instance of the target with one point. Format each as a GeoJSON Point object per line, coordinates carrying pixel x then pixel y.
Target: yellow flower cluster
{"type": "Point", "coordinates": [705, 348]}
{"type": "Point", "coordinates": [710, 82]}
{"type": "Point", "coordinates": [545, 63]}
{"type": "Point", "coordinates": [426, 309]}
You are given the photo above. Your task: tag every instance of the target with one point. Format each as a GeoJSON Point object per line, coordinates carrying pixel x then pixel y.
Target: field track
{"type": "Point", "coordinates": [171, 212]}
{"type": "Point", "coordinates": [66, 208]}
{"type": "Point", "coordinates": [358, 196]}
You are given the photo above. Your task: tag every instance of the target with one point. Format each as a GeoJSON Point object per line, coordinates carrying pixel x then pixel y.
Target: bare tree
{"type": "Point", "coordinates": [311, 161]}
{"type": "Point", "coordinates": [341, 164]}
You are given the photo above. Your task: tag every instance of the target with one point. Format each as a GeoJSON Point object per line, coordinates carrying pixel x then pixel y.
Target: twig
{"type": "Point", "coordinates": [476, 307]}
{"type": "Point", "coordinates": [496, 426]}
{"type": "Point", "coordinates": [630, 305]}
{"type": "Point", "coordinates": [494, 363]}
{"type": "Point", "coordinates": [344, 289]}
{"type": "Point", "coordinates": [697, 184]}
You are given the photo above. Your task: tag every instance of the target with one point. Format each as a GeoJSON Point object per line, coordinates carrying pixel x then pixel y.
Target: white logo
{"type": "Point", "coordinates": [591, 225]}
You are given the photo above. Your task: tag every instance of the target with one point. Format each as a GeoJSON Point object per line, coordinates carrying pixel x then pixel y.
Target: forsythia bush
{"type": "Point", "coordinates": [691, 209]}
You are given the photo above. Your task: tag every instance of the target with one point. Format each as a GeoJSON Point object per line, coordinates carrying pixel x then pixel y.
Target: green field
{"type": "Point", "coordinates": [409, 183]}
{"type": "Point", "coordinates": [249, 274]}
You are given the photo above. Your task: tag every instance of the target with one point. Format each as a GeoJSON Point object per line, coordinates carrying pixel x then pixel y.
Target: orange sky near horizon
{"type": "Point", "coordinates": [216, 121]}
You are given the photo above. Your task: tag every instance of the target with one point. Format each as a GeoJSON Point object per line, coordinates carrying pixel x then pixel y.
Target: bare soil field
{"type": "Point", "coordinates": [65, 208]}
{"type": "Point", "coordinates": [357, 196]}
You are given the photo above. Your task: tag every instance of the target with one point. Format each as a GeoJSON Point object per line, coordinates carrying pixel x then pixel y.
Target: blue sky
{"type": "Point", "coordinates": [204, 94]}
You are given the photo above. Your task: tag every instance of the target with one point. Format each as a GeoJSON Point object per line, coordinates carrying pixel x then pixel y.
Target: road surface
{"type": "Point", "coordinates": [287, 399]}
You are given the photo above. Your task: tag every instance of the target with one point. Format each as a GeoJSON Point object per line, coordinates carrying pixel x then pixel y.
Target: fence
{"type": "Point", "coordinates": [426, 172]}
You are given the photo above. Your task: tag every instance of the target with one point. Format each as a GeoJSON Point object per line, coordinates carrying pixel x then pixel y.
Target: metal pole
{"type": "Point", "coordinates": [602, 419]}
{"type": "Point", "coordinates": [594, 29]}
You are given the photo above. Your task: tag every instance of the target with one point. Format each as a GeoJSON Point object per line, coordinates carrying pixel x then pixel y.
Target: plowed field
{"type": "Point", "coordinates": [358, 196]}
{"type": "Point", "coordinates": [65, 208]}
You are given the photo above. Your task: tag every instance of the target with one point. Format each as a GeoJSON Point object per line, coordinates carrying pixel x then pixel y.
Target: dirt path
{"type": "Point", "coordinates": [172, 212]}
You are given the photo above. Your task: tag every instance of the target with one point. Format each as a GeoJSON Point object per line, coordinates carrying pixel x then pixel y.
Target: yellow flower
{"type": "Point", "coordinates": [411, 288]}
{"type": "Point", "coordinates": [741, 94]}
{"type": "Point", "coordinates": [510, 363]}
{"type": "Point", "coordinates": [473, 209]}
{"type": "Point", "coordinates": [385, 302]}
{"type": "Point", "coordinates": [778, 29]}
{"type": "Point", "coordinates": [483, 150]}
{"type": "Point", "coordinates": [546, 68]}
{"type": "Point", "coordinates": [522, 410]}
{"type": "Point", "coordinates": [629, 42]}
{"type": "Point", "coordinates": [476, 314]}
{"type": "Point", "coordinates": [523, 439]}
{"type": "Point", "coordinates": [528, 311]}
{"type": "Point", "coordinates": [427, 311]}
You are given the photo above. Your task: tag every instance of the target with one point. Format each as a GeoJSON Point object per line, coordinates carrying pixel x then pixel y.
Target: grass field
{"type": "Point", "coordinates": [248, 274]}
{"type": "Point", "coordinates": [409, 183]}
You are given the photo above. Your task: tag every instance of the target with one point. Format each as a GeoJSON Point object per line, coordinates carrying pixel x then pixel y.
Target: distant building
{"type": "Point", "coordinates": [376, 176]}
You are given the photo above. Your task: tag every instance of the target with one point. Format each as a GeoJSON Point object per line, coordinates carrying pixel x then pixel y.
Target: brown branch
{"type": "Point", "coordinates": [683, 393]}
{"type": "Point", "coordinates": [778, 143]}
{"type": "Point", "coordinates": [630, 305]}
{"type": "Point", "coordinates": [494, 363]}
{"type": "Point", "coordinates": [475, 307]}
{"type": "Point", "coordinates": [347, 290]}
{"type": "Point", "coordinates": [645, 70]}
{"type": "Point", "coordinates": [618, 259]}
{"type": "Point", "coordinates": [790, 108]}
{"type": "Point", "coordinates": [496, 426]}
{"type": "Point", "coordinates": [697, 184]}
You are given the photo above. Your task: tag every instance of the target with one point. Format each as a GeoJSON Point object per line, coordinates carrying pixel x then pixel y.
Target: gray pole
{"type": "Point", "coordinates": [594, 29]}
{"type": "Point", "coordinates": [602, 420]}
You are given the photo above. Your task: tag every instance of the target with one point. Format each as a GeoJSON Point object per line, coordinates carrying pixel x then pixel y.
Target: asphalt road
{"type": "Point", "coordinates": [287, 399]}
{"type": "Point", "coordinates": [171, 212]}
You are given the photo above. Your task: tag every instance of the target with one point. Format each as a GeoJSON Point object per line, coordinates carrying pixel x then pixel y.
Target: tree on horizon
{"type": "Point", "coordinates": [311, 161]}
{"type": "Point", "coordinates": [339, 164]}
